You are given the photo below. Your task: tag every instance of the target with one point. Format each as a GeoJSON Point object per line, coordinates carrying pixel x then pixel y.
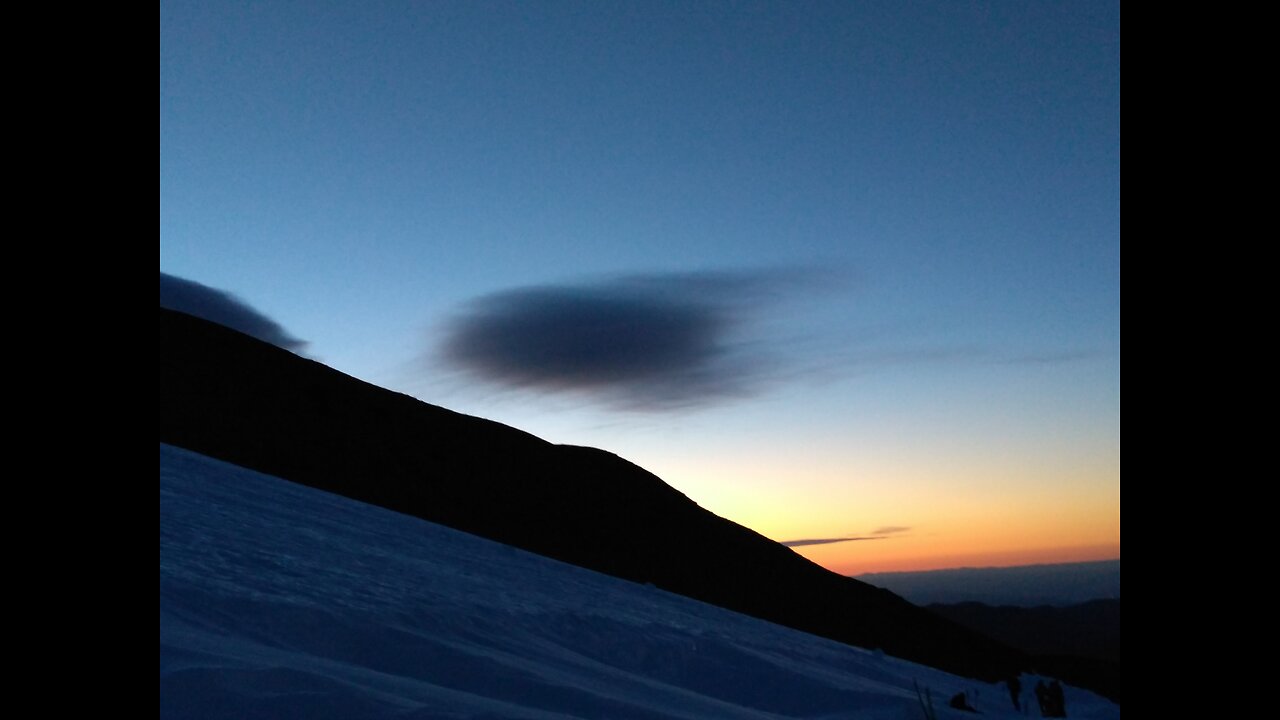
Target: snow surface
{"type": "Point", "coordinates": [280, 601]}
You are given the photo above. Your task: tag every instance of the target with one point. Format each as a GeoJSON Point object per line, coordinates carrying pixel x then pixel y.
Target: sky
{"type": "Point", "coordinates": [845, 273]}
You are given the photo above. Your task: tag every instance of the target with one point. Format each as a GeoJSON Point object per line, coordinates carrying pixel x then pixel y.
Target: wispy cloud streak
{"type": "Point", "coordinates": [827, 541]}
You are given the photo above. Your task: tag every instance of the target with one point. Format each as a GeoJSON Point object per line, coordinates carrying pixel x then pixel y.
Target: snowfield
{"type": "Point", "coordinates": [280, 601]}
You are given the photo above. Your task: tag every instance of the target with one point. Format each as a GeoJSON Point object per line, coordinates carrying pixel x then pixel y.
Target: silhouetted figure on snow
{"type": "Point", "coordinates": [1052, 702]}
{"type": "Point", "coordinates": [960, 702]}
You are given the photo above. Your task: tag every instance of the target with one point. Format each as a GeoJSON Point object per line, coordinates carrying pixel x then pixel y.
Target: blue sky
{"type": "Point", "coordinates": [866, 255]}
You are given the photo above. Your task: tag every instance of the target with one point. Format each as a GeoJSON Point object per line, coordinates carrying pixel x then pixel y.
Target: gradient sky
{"type": "Point", "coordinates": [833, 270]}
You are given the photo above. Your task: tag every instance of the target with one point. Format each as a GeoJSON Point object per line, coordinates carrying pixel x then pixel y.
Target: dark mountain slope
{"type": "Point", "coordinates": [1089, 629]}
{"type": "Point", "coordinates": [231, 397]}
{"type": "Point", "coordinates": [1077, 643]}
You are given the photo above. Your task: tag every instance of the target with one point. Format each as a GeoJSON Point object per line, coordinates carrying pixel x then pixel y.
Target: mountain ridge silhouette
{"type": "Point", "coordinates": [229, 396]}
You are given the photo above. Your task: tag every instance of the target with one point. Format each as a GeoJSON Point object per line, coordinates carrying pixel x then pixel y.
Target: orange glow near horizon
{"type": "Point", "coordinates": [853, 563]}
{"type": "Point", "coordinates": [918, 515]}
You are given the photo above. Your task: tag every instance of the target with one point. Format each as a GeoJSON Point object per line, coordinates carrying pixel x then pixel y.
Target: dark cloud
{"type": "Point", "coordinates": [826, 541]}
{"type": "Point", "coordinates": [561, 336]}
{"type": "Point", "coordinates": [648, 341]}
{"type": "Point", "coordinates": [890, 530]}
{"type": "Point", "coordinates": [225, 309]}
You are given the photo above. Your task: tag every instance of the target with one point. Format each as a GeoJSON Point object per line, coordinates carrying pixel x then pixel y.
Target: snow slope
{"type": "Point", "coordinates": [280, 601]}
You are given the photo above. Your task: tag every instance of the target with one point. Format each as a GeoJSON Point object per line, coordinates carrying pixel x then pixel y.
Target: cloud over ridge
{"type": "Point", "coordinates": [223, 308]}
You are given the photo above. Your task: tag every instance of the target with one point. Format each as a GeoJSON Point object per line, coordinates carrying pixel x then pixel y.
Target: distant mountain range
{"type": "Point", "coordinates": [231, 397]}
{"type": "Point", "coordinates": [1026, 585]}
